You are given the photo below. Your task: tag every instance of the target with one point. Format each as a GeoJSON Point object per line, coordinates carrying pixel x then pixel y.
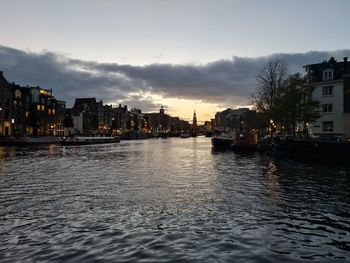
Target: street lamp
{"type": "Point", "coordinates": [271, 126]}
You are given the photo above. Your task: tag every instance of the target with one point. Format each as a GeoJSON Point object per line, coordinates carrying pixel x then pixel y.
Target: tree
{"type": "Point", "coordinates": [287, 100]}
{"type": "Point", "coordinates": [296, 104]}
{"type": "Point", "coordinates": [271, 80]}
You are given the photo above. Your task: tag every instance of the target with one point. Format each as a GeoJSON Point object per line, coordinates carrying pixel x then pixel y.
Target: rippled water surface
{"type": "Point", "coordinates": [169, 200]}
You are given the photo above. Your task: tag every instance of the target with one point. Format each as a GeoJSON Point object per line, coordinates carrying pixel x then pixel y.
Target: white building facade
{"type": "Point", "coordinates": [331, 80]}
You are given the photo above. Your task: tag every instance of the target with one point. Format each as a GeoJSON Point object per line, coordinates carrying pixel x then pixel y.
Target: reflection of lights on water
{"type": "Point", "coordinates": [272, 180]}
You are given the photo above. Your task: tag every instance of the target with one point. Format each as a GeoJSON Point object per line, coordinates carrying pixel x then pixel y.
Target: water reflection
{"type": "Point", "coordinates": [272, 180]}
{"type": "Point", "coordinates": [169, 200]}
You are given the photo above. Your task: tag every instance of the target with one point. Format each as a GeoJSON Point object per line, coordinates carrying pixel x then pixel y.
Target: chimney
{"type": "Point", "coordinates": [345, 64]}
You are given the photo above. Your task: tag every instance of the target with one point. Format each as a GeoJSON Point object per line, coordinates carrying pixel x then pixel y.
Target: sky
{"type": "Point", "coordinates": [185, 55]}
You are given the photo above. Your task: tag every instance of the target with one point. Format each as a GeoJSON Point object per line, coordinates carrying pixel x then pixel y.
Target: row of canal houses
{"type": "Point", "coordinates": [34, 111]}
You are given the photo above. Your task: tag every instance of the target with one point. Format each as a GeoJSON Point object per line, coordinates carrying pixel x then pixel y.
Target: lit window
{"type": "Point", "coordinates": [327, 91]}
{"type": "Point", "coordinates": [49, 111]}
{"type": "Point", "coordinates": [38, 107]}
{"type": "Point", "coordinates": [42, 107]}
{"type": "Point", "coordinates": [42, 91]}
{"type": "Point", "coordinates": [327, 108]}
{"type": "Point", "coordinates": [328, 126]}
{"type": "Point", "coordinates": [53, 112]}
{"type": "Point", "coordinates": [18, 94]}
{"type": "Point", "coordinates": [27, 114]}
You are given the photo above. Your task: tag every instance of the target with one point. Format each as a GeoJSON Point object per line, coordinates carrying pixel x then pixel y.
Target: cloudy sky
{"type": "Point", "coordinates": [182, 54]}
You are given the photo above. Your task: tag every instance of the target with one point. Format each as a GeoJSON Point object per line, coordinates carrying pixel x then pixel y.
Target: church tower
{"type": "Point", "coordinates": [194, 123]}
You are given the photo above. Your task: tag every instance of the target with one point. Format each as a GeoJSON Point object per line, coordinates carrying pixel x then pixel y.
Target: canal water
{"type": "Point", "coordinates": [169, 200]}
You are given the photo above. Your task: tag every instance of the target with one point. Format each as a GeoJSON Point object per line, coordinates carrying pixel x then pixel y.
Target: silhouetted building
{"type": "Point", "coordinates": [6, 97]}
{"type": "Point", "coordinates": [86, 116]}
{"type": "Point", "coordinates": [194, 123]}
{"type": "Point", "coordinates": [230, 120]}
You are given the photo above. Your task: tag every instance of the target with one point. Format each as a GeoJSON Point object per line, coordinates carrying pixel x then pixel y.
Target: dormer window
{"type": "Point", "coordinates": [328, 74]}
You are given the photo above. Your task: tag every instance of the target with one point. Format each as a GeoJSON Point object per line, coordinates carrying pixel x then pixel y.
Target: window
{"type": "Point", "coordinates": [18, 94]}
{"type": "Point", "coordinates": [328, 126]}
{"type": "Point", "coordinates": [328, 74]}
{"type": "Point", "coordinates": [327, 108]}
{"type": "Point", "coordinates": [327, 91]}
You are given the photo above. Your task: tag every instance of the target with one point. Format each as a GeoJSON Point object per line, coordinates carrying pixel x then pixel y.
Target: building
{"type": "Point", "coordinates": [331, 83]}
{"type": "Point", "coordinates": [6, 107]}
{"type": "Point", "coordinates": [120, 121]}
{"type": "Point", "coordinates": [230, 120]}
{"type": "Point", "coordinates": [194, 123]}
{"type": "Point", "coordinates": [86, 116]}
{"type": "Point", "coordinates": [28, 110]}
{"type": "Point", "coordinates": [160, 122]}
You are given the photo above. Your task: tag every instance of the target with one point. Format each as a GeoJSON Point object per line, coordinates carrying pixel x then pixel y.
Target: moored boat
{"type": "Point", "coordinates": [88, 140]}
{"type": "Point", "coordinates": [245, 141]}
{"type": "Point", "coordinates": [223, 140]}
{"type": "Point", "coordinates": [29, 141]}
{"type": "Point", "coordinates": [312, 149]}
{"type": "Point", "coordinates": [185, 135]}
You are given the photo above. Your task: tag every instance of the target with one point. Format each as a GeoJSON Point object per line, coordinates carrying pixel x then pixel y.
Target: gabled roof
{"type": "Point", "coordinates": [80, 101]}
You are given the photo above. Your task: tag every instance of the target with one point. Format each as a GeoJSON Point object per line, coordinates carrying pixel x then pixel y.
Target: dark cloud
{"type": "Point", "coordinates": [228, 82]}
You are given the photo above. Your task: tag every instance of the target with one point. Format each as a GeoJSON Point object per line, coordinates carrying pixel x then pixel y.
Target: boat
{"type": "Point", "coordinates": [223, 140]}
{"type": "Point", "coordinates": [317, 149]}
{"type": "Point", "coordinates": [79, 140]}
{"type": "Point", "coordinates": [29, 141]}
{"type": "Point", "coordinates": [245, 140]}
{"type": "Point", "coordinates": [208, 134]}
{"type": "Point", "coordinates": [185, 135]}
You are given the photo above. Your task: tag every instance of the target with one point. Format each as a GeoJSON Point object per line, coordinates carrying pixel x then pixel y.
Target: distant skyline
{"type": "Point", "coordinates": [185, 55]}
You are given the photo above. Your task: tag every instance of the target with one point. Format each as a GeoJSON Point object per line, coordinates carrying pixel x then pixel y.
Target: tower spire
{"type": "Point", "coordinates": [194, 122]}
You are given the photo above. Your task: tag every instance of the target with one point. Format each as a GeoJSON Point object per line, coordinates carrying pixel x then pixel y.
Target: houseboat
{"type": "Point", "coordinates": [88, 140]}
{"type": "Point", "coordinates": [312, 149]}
{"type": "Point", "coordinates": [185, 135]}
{"type": "Point", "coordinates": [223, 140]}
{"type": "Point", "coordinates": [29, 141]}
{"type": "Point", "coordinates": [243, 140]}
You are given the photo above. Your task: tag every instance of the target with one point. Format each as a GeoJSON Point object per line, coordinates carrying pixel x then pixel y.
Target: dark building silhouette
{"type": "Point", "coordinates": [194, 123]}
{"type": "Point", "coordinates": [6, 106]}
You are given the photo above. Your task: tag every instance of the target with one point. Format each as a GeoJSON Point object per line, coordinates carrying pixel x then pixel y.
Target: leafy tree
{"type": "Point", "coordinates": [296, 104]}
